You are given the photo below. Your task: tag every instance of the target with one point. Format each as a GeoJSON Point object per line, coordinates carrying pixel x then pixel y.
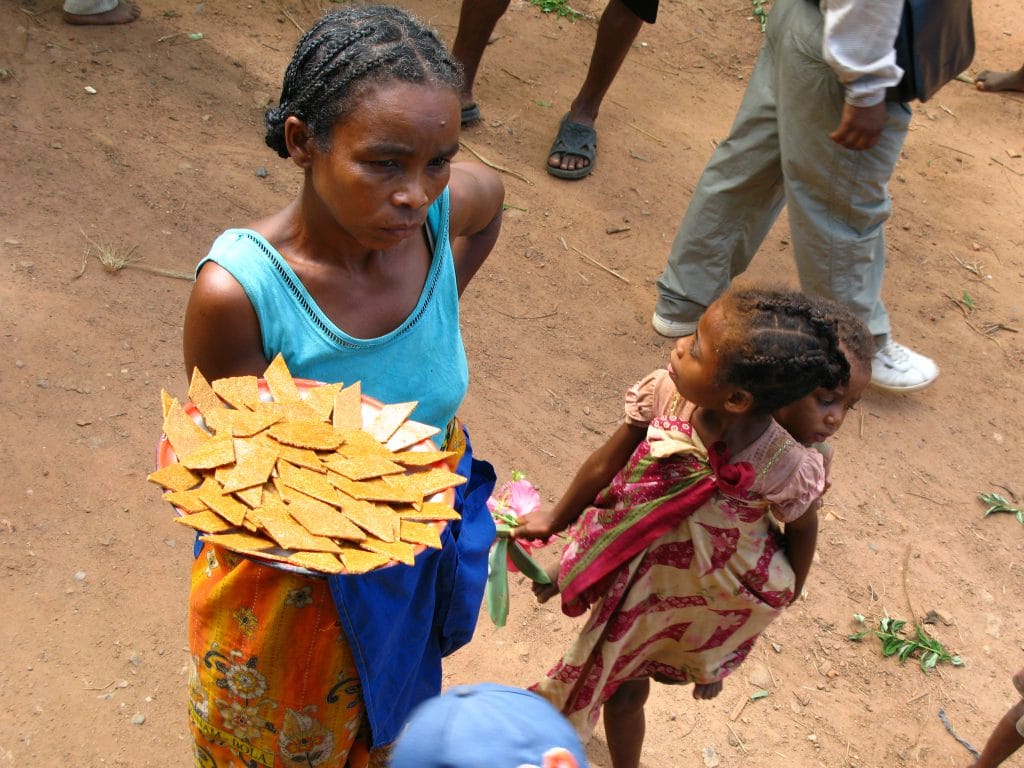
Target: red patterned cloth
{"type": "Point", "coordinates": [690, 603]}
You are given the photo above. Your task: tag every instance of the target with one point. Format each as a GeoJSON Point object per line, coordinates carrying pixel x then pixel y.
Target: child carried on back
{"type": "Point", "coordinates": [674, 548]}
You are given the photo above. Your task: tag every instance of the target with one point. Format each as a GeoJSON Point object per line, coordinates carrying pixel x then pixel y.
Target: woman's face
{"type": "Point", "coordinates": [387, 161]}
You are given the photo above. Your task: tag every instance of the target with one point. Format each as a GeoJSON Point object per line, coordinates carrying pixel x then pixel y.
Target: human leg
{"type": "Point", "coordinates": [837, 199]}
{"type": "Point", "coordinates": [1000, 81]}
{"type": "Point", "coordinates": [616, 31]}
{"type": "Point", "coordinates": [100, 12]}
{"type": "Point", "coordinates": [624, 722]}
{"type": "Point", "coordinates": [477, 19]}
{"type": "Point", "coordinates": [738, 198]}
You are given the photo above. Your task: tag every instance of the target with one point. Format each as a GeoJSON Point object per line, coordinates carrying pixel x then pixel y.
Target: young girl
{"type": "Point", "coordinates": [673, 547]}
{"type": "Point", "coordinates": [357, 278]}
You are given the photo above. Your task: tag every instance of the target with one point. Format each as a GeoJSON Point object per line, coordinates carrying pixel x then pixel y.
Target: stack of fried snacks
{"type": "Point", "coordinates": [303, 478]}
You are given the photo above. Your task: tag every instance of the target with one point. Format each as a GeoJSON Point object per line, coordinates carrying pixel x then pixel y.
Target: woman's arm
{"type": "Point", "coordinates": [477, 195]}
{"type": "Point", "coordinates": [800, 537]}
{"type": "Point", "coordinates": [595, 474]}
{"type": "Point", "coordinates": [222, 333]}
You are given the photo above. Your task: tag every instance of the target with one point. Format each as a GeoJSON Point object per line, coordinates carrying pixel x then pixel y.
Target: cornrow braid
{"type": "Point", "coordinates": [853, 333]}
{"type": "Point", "coordinates": [779, 346]}
{"type": "Point", "coordinates": [346, 51]}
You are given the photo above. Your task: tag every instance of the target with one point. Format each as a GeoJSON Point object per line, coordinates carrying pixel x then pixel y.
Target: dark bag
{"type": "Point", "coordinates": [934, 45]}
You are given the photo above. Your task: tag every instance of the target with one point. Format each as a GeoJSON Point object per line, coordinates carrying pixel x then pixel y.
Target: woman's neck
{"type": "Point", "coordinates": [737, 431]}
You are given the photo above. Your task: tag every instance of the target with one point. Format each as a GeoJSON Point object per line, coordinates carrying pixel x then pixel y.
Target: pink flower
{"type": "Point", "coordinates": [515, 499]}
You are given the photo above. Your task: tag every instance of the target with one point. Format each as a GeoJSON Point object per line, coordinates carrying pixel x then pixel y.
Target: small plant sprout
{"type": "Point", "coordinates": [895, 642]}
{"type": "Point", "coordinates": [997, 503]}
{"type": "Point", "coordinates": [559, 7]}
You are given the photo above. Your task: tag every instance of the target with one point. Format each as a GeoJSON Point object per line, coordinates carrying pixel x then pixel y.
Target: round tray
{"type": "Point", "coordinates": [165, 455]}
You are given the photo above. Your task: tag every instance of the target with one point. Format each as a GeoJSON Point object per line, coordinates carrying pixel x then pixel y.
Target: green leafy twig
{"type": "Point", "coordinates": [895, 643]}
{"type": "Point", "coordinates": [761, 12]}
{"type": "Point", "coordinates": [559, 7]}
{"type": "Point", "coordinates": [997, 503]}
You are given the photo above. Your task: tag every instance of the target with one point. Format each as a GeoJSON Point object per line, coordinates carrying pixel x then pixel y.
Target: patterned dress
{"type": "Point", "coordinates": [688, 607]}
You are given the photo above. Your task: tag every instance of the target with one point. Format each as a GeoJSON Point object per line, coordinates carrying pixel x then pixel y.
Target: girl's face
{"type": "Point", "coordinates": [694, 361]}
{"type": "Point", "coordinates": [387, 161]}
{"type": "Point", "coordinates": [819, 415]}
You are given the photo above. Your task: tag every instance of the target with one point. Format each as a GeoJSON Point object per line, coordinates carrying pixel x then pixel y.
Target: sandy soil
{"type": "Point", "coordinates": [168, 152]}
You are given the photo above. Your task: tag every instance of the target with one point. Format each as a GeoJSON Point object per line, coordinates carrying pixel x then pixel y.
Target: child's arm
{"type": "Point", "coordinates": [800, 537]}
{"type": "Point", "coordinates": [595, 474]}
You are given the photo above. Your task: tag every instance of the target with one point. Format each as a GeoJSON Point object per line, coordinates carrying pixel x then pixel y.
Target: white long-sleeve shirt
{"type": "Point", "coordinates": [858, 45]}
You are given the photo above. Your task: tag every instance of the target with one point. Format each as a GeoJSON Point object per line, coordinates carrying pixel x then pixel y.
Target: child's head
{"type": "Point", "coordinates": [757, 350]}
{"type": "Point", "coordinates": [487, 724]}
{"type": "Point", "coordinates": [819, 415]}
{"type": "Point", "coordinates": [346, 51]}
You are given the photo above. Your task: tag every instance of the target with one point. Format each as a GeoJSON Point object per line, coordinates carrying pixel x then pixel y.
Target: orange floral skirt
{"type": "Point", "coordinates": [272, 680]}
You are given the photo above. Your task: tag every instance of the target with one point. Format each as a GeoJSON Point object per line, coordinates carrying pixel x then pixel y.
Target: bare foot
{"type": "Point", "coordinates": [1018, 681]}
{"type": "Point", "coordinates": [545, 592]}
{"type": "Point", "coordinates": [707, 690]}
{"type": "Point", "coordinates": [1000, 81]}
{"type": "Point", "coordinates": [122, 13]}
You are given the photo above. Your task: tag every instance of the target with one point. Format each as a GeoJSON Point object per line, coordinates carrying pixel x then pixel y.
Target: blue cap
{"type": "Point", "coordinates": [487, 726]}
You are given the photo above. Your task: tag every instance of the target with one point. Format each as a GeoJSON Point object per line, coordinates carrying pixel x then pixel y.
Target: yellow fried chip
{"type": "Point", "coordinates": [174, 477]}
{"type": "Point", "coordinates": [201, 393]}
{"type": "Point", "coordinates": [300, 457]}
{"type": "Point", "coordinates": [308, 482]}
{"type": "Point", "coordinates": [228, 507]}
{"type": "Point", "coordinates": [324, 562]}
{"type": "Point", "coordinates": [206, 521]}
{"type": "Point", "coordinates": [182, 432]}
{"type": "Point", "coordinates": [292, 411]}
{"type": "Point", "coordinates": [348, 408]}
{"type": "Point", "coordinates": [322, 519]}
{"type": "Point", "coordinates": [377, 489]}
{"type": "Point", "coordinates": [166, 398]}
{"type": "Point", "coordinates": [251, 497]}
{"type": "Point", "coordinates": [279, 381]}
{"type": "Point", "coordinates": [360, 561]}
{"type": "Point", "coordinates": [215, 452]}
{"type": "Point", "coordinates": [365, 467]}
{"type": "Point", "coordinates": [376, 519]}
{"type": "Point", "coordinates": [389, 419]}
{"type": "Point", "coordinates": [186, 501]}
{"type": "Point", "coordinates": [359, 443]}
{"type": "Point", "coordinates": [307, 434]}
{"type": "Point", "coordinates": [401, 551]}
{"type": "Point", "coordinates": [290, 535]}
{"type": "Point", "coordinates": [421, 533]}
{"type": "Point", "coordinates": [253, 465]}
{"type": "Point", "coordinates": [421, 458]}
{"type": "Point", "coordinates": [238, 391]}
{"type": "Point", "coordinates": [429, 481]}
{"type": "Point", "coordinates": [429, 510]}
{"type": "Point", "coordinates": [241, 541]}
{"type": "Point", "coordinates": [409, 434]}
{"type": "Point", "coordinates": [249, 423]}
{"type": "Point", "coordinates": [321, 399]}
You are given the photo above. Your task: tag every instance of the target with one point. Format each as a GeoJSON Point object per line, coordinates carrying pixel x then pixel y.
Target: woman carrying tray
{"type": "Point", "coordinates": [357, 279]}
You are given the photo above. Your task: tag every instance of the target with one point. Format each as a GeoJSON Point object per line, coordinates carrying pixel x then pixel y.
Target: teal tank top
{"type": "Point", "coordinates": [423, 359]}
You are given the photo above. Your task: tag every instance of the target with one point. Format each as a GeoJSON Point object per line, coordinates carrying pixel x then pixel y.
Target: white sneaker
{"type": "Point", "coordinates": [896, 368]}
{"type": "Point", "coordinates": [673, 329]}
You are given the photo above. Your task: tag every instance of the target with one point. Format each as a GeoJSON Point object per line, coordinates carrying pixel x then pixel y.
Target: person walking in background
{"type": "Point", "coordinates": [358, 278]}
{"type": "Point", "coordinates": [814, 133]}
{"type": "Point", "coordinates": [574, 151]}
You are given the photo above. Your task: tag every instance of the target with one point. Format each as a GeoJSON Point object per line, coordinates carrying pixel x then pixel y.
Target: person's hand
{"type": "Point", "coordinates": [535, 525]}
{"type": "Point", "coordinates": [860, 127]}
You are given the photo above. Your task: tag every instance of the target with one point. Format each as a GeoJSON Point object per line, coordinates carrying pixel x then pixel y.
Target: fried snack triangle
{"type": "Point", "coordinates": [215, 452]}
{"type": "Point", "coordinates": [238, 391]}
{"type": "Point", "coordinates": [316, 435]}
{"type": "Point", "coordinates": [321, 400]}
{"type": "Point", "coordinates": [376, 519]}
{"type": "Point", "coordinates": [324, 562]}
{"type": "Point", "coordinates": [428, 510]}
{"type": "Point", "coordinates": [174, 477]}
{"type": "Point", "coordinates": [401, 551]}
{"type": "Point", "coordinates": [206, 521]}
{"type": "Point", "coordinates": [409, 434]}
{"type": "Point", "coordinates": [228, 507]}
{"type": "Point", "coordinates": [279, 381]}
{"type": "Point", "coordinates": [182, 433]}
{"type": "Point", "coordinates": [365, 467]}
{"type": "Point", "coordinates": [389, 419]}
{"type": "Point", "coordinates": [201, 393]}
{"type": "Point", "coordinates": [322, 519]}
{"type": "Point", "coordinates": [421, 458]}
{"type": "Point", "coordinates": [421, 533]}
{"type": "Point", "coordinates": [361, 561]}
{"type": "Point", "coordinates": [348, 408]}
{"type": "Point", "coordinates": [427, 482]}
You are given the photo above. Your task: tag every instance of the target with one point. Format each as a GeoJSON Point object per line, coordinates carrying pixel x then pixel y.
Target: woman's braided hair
{"type": "Point", "coordinates": [346, 50]}
{"type": "Point", "coordinates": [779, 346]}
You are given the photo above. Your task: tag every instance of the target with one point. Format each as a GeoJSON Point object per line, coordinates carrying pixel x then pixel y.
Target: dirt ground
{"type": "Point", "coordinates": [168, 151]}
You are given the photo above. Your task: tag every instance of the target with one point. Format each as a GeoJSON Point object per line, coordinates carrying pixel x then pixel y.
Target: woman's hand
{"type": "Point", "coordinates": [536, 525]}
